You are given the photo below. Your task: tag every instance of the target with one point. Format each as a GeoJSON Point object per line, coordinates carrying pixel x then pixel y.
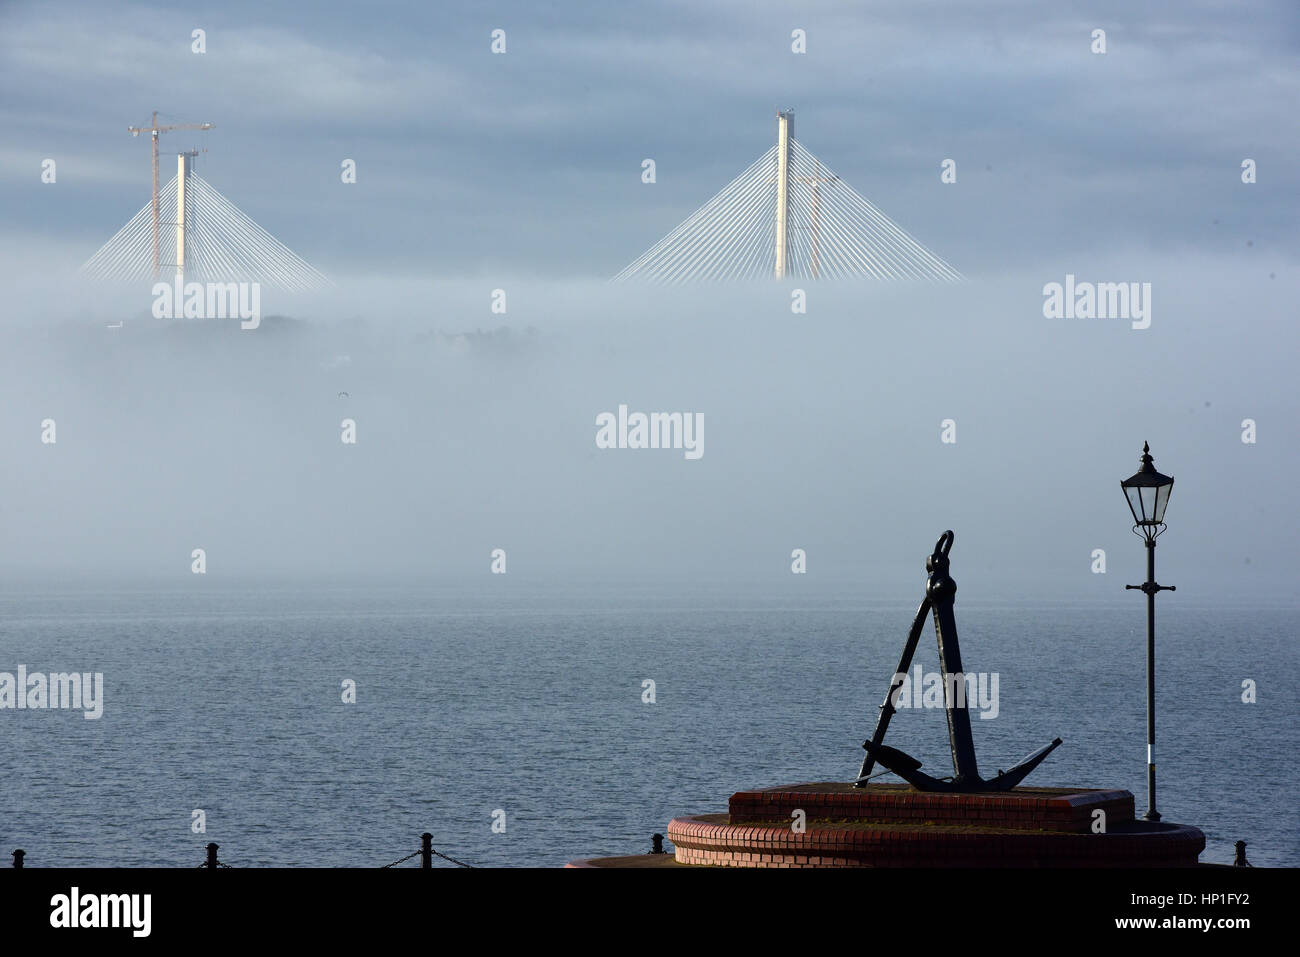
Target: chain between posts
{"type": "Point", "coordinates": [452, 859]}
{"type": "Point", "coordinates": [400, 860]}
{"type": "Point", "coordinates": [426, 851]}
{"type": "Point", "coordinates": [421, 851]}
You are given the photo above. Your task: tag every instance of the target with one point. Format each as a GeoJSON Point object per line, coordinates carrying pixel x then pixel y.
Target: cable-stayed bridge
{"type": "Point", "coordinates": [214, 241]}
{"type": "Point", "coordinates": [787, 216]}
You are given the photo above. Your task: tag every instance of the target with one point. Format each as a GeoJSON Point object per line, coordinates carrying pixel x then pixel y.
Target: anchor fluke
{"type": "Point", "coordinates": [892, 758]}
{"type": "Point", "coordinates": [906, 767]}
{"type": "Point", "coordinates": [1006, 780]}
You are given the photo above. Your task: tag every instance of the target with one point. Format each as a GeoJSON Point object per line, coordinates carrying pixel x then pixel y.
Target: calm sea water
{"type": "Point", "coordinates": [229, 701]}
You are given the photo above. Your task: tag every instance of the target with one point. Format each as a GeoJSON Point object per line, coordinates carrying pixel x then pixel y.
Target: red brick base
{"type": "Point", "coordinates": [895, 826]}
{"type": "Point", "coordinates": [1022, 809]}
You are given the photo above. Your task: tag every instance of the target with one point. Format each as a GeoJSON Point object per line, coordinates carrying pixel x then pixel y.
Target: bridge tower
{"type": "Point", "coordinates": [786, 216]}
{"type": "Point", "coordinates": [182, 180]}
{"type": "Point", "coordinates": [784, 134]}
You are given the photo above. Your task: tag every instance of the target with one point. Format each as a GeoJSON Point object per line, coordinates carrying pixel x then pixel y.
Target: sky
{"type": "Point", "coordinates": [522, 172]}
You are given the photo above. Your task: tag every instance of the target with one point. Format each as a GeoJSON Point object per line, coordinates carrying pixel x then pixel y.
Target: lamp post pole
{"type": "Point", "coordinates": [1149, 587]}
{"type": "Point", "coordinates": [1148, 494]}
{"type": "Point", "coordinates": [1150, 590]}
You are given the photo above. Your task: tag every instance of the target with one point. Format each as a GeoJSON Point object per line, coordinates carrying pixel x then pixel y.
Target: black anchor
{"type": "Point", "coordinates": [940, 592]}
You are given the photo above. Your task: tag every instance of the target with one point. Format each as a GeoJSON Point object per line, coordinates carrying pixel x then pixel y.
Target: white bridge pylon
{"type": "Point", "coordinates": [787, 216]}
{"type": "Point", "coordinates": [215, 241]}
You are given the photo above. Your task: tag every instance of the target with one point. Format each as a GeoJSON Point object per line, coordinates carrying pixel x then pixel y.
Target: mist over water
{"type": "Point", "coordinates": [822, 431]}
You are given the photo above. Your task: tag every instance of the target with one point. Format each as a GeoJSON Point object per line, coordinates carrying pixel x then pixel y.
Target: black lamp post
{"type": "Point", "coordinates": [1148, 494]}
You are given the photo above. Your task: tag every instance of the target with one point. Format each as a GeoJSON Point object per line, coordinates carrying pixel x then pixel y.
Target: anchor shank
{"type": "Point", "coordinates": [942, 591]}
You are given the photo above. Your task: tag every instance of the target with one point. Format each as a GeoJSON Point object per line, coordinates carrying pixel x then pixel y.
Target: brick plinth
{"type": "Point", "coordinates": [1045, 809]}
{"type": "Point", "coordinates": [896, 826]}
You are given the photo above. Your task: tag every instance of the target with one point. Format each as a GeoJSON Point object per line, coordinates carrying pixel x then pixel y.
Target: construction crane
{"type": "Point", "coordinates": [154, 130]}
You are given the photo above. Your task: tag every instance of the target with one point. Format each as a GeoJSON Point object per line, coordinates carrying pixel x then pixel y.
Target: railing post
{"type": "Point", "coordinates": [212, 856]}
{"type": "Point", "coordinates": [18, 858]}
{"type": "Point", "coordinates": [426, 851]}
